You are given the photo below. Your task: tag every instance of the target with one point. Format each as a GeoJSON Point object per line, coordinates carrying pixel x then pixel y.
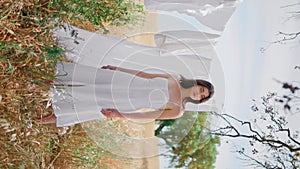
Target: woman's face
{"type": "Point", "coordinates": [199, 92]}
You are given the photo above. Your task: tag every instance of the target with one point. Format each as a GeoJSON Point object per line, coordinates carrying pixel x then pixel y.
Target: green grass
{"type": "Point", "coordinates": [28, 55]}
{"type": "Point", "coordinates": [117, 12]}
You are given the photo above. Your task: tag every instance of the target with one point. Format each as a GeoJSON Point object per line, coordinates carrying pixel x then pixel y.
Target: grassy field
{"type": "Point", "coordinates": [28, 54]}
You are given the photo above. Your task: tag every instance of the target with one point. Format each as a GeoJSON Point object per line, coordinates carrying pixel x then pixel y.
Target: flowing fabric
{"type": "Point", "coordinates": [81, 92]}
{"type": "Point", "coordinates": [212, 13]}
{"type": "Point", "coordinates": [188, 53]}
{"type": "Point", "coordinates": [180, 52]}
{"type": "Point", "coordinates": [196, 51]}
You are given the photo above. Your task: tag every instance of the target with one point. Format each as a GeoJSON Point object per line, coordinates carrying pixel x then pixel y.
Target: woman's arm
{"type": "Point", "coordinates": [159, 115]}
{"type": "Point", "coordinates": [136, 72]}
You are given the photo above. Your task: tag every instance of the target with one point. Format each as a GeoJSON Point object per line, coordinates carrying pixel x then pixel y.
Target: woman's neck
{"type": "Point", "coordinates": [185, 92]}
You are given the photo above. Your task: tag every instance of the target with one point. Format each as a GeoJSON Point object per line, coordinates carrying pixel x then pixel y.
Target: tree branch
{"type": "Point", "coordinates": [286, 37]}
{"type": "Point", "coordinates": [289, 135]}
{"type": "Point", "coordinates": [256, 135]}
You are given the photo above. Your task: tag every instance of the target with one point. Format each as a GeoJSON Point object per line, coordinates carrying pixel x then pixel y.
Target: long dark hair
{"type": "Point", "coordinates": [187, 83]}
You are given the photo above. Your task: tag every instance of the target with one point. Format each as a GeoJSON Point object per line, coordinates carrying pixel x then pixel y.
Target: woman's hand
{"type": "Point", "coordinates": [109, 113]}
{"type": "Point", "coordinates": [109, 67]}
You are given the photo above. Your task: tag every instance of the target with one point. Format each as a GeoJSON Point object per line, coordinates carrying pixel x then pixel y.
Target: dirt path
{"type": "Point", "coordinates": [141, 34]}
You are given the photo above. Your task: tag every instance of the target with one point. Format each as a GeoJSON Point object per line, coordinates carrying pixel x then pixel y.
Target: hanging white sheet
{"type": "Point", "coordinates": [212, 13]}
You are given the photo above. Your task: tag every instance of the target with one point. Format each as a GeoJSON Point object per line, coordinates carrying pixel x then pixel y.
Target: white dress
{"type": "Point", "coordinates": [81, 92]}
{"type": "Point", "coordinates": [186, 53]}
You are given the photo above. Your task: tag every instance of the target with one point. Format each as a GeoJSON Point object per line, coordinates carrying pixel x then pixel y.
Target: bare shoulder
{"type": "Point", "coordinates": [175, 107]}
{"type": "Point", "coordinates": [175, 103]}
{"type": "Point", "coordinates": [173, 81]}
{"type": "Point", "coordinates": [174, 77]}
{"type": "Point", "coordinates": [174, 89]}
{"type": "Point", "coordinates": [170, 77]}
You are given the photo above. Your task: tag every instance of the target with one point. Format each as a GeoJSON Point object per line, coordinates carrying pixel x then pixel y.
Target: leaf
{"type": "Point", "coordinates": [291, 87]}
{"type": "Point", "coordinates": [286, 106]}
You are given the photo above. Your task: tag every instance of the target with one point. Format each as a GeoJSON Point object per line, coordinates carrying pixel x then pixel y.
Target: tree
{"type": "Point", "coordinates": [286, 37]}
{"type": "Point", "coordinates": [293, 14]}
{"type": "Point", "coordinates": [268, 131]}
{"type": "Point", "coordinates": [190, 147]}
{"type": "Point", "coordinates": [273, 144]}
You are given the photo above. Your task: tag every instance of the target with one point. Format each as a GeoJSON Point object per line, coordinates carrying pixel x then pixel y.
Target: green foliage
{"type": "Point", "coordinates": [115, 12]}
{"type": "Point", "coordinates": [162, 124]}
{"type": "Point", "coordinates": [54, 53]}
{"type": "Point", "coordinates": [197, 149]}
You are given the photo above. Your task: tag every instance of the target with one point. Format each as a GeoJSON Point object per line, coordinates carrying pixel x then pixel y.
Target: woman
{"type": "Point", "coordinates": [120, 92]}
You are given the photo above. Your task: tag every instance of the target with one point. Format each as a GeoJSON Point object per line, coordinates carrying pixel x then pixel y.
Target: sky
{"type": "Point", "coordinates": [249, 72]}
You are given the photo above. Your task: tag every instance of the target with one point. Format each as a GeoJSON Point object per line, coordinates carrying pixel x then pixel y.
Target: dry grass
{"type": "Point", "coordinates": [28, 55]}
